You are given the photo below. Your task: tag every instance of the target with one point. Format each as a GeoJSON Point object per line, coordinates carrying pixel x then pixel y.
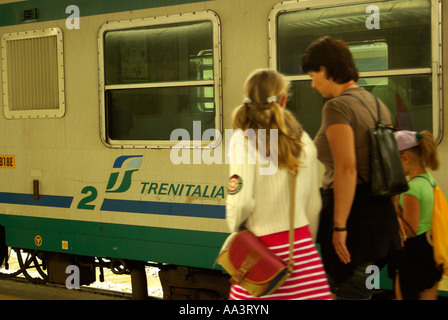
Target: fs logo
{"type": "Point", "coordinates": [132, 164]}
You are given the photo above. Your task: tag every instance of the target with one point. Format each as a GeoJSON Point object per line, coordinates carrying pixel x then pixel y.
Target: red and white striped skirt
{"type": "Point", "coordinates": [306, 282]}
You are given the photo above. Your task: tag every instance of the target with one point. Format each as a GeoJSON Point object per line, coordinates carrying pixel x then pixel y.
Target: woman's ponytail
{"type": "Point", "coordinates": [428, 149]}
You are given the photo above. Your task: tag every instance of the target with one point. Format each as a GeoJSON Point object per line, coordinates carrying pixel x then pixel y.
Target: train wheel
{"type": "Point", "coordinates": [30, 259]}
{"type": "Point", "coordinates": [9, 275]}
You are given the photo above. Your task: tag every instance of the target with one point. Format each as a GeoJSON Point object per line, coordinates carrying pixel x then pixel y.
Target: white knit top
{"type": "Point", "coordinates": [262, 200]}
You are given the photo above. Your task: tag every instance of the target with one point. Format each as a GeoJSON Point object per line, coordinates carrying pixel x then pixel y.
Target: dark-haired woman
{"type": "Point", "coordinates": [356, 229]}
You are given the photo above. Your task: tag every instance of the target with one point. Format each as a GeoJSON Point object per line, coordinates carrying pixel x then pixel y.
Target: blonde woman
{"type": "Point", "coordinates": [418, 274]}
{"type": "Point", "coordinates": [261, 201]}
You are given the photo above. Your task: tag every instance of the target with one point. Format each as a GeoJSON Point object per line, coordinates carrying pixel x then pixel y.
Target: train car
{"type": "Point", "coordinates": [116, 116]}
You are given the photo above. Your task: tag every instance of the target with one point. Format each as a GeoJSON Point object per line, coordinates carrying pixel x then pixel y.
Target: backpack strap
{"type": "Point", "coordinates": [365, 105]}
{"type": "Point", "coordinates": [377, 122]}
{"type": "Point", "coordinates": [400, 215]}
{"type": "Point", "coordinates": [429, 181]}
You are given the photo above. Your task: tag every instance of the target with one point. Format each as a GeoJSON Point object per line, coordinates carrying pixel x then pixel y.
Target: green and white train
{"type": "Point", "coordinates": [97, 94]}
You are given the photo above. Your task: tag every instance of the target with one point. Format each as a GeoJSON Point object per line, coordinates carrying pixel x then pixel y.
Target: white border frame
{"type": "Point", "coordinates": [216, 82]}
{"type": "Point", "coordinates": [44, 113]}
{"type": "Point", "coordinates": [436, 48]}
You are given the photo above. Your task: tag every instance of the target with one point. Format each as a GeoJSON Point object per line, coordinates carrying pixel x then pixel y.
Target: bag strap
{"type": "Point", "coordinates": [378, 122]}
{"type": "Point", "coordinates": [429, 181]}
{"type": "Point", "coordinates": [400, 215]}
{"type": "Point", "coordinates": [292, 205]}
{"type": "Point", "coordinates": [292, 202]}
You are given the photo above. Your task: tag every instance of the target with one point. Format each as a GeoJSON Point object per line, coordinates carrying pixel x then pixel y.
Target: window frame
{"type": "Point", "coordinates": [436, 50]}
{"type": "Point", "coordinates": [216, 82]}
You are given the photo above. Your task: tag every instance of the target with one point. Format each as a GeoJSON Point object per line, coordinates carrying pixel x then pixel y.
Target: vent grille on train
{"type": "Point", "coordinates": [29, 14]}
{"type": "Point", "coordinates": [33, 74]}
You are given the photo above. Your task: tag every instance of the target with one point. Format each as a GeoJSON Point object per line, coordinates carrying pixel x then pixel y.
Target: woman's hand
{"type": "Point", "coordinates": [339, 243]}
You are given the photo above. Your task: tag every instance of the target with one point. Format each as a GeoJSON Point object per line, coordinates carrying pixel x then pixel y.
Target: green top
{"type": "Point", "coordinates": [422, 187]}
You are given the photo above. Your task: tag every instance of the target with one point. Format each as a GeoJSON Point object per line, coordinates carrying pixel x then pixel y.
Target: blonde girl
{"type": "Point", "coordinates": [261, 201]}
{"type": "Point", "coordinates": [418, 277]}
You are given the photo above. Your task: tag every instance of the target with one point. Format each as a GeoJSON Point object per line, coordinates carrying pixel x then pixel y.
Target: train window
{"type": "Point", "coordinates": [158, 75]}
{"type": "Point", "coordinates": [395, 45]}
{"type": "Point", "coordinates": [33, 74]}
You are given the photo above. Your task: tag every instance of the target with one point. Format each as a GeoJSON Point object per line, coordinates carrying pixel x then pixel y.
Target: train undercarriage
{"type": "Point", "coordinates": [178, 282]}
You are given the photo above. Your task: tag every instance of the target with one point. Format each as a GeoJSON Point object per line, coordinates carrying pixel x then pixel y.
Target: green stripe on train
{"type": "Point", "coordinates": [173, 246]}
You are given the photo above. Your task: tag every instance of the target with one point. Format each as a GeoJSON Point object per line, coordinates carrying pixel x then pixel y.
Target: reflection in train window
{"type": "Point", "coordinates": [153, 113]}
{"type": "Point", "coordinates": [158, 78]}
{"type": "Point", "coordinates": [406, 96]}
{"type": "Point", "coordinates": [394, 61]}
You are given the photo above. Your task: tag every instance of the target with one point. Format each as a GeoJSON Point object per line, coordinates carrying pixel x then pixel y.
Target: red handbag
{"type": "Point", "coordinates": [250, 263]}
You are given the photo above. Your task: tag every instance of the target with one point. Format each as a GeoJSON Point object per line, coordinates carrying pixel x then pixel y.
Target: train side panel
{"type": "Point", "coordinates": [69, 185]}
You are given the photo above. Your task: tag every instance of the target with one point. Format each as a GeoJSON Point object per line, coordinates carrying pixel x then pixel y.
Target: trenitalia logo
{"type": "Point", "coordinates": [130, 164]}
